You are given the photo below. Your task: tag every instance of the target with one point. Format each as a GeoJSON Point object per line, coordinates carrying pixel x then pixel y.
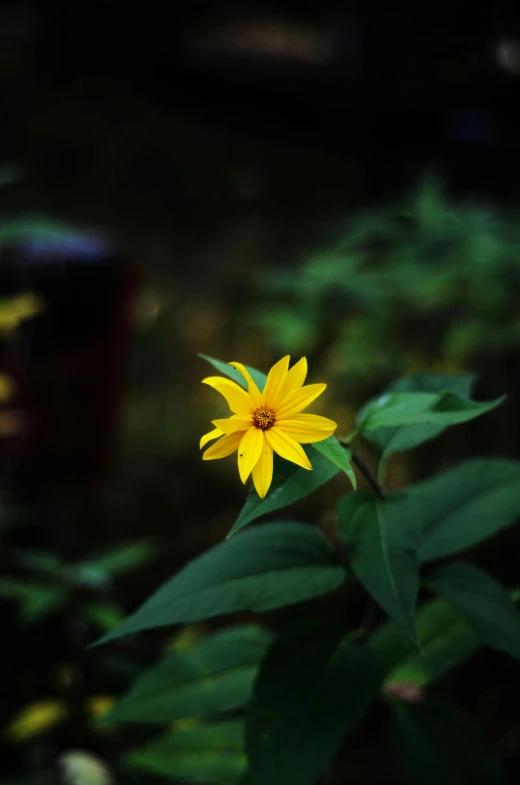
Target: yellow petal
{"type": "Point", "coordinates": [254, 392]}
{"type": "Point", "coordinates": [234, 423]}
{"type": "Point", "coordinates": [287, 448]}
{"type": "Point", "coordinates": [209, 436]}
{"type": "Point", "coordinates": [314, 420]}
{"type": "Point", "coordinates": [263, 471]}
{"type": "Point", "coordinates": [307, 428]}
{"type": "Point", "coordinates": [237, 398]}
{"type": "Point", "coordinates": [295, 377]}
{"type": "Point", "coordinates": [249, 451]}
{"type": "Point", "coordinates": [273, 390]}
{"type": "Point", "coordinates": [223, 447]}
{"type": "Point", "coordinates": [298, 400]}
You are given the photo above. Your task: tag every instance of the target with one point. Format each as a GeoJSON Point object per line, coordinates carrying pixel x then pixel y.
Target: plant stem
{"type": "Point", "coordinates": [367, 474]}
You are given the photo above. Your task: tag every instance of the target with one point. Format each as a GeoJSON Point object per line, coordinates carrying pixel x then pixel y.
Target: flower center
{"type": "Point", "coordinates": [263, 418]}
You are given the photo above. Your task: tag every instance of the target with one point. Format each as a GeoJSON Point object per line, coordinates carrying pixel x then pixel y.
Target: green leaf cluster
{"type": "Point", "coordinates": [302, 692]}
{"type": "Point", "coordinates": [42, 583]}
{"type": "Point", "coordinates": [425, 256]}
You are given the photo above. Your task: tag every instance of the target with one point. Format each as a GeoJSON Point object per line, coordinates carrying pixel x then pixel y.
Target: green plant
{"type": "Point", "coordinates": [41, 583]}
{"type": "Point", "coordinates": [304, 690]}
{"type": "Point", "coordinates": [409, 285]}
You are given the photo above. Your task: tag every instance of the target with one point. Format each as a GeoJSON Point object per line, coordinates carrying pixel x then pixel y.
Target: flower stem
{"type": "Point", "coordinates": [367, 474]}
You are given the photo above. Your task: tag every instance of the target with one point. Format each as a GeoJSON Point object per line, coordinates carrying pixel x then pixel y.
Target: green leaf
{"type": "Point", "coordinates": [216, 676]}
{"type": "Point", "coordinates": [439, 743]}
{"type": "Point", "coordinates": [313, 688]}
{"type": "Point", "coordinates": [339, 455]}
{"type": "Point", "coordinates": [432, 382]}
{"type": "Point", "coordinates": [433, 619]}
{"type": "Point", "coordinates": [381, 539]}
{"type": "Point", "coordinates": [290, 484]}
{"type": "Point", "coordinates": [33, 227]}
{"type": "Point", "coordinates": [447, 650]}
{"type": "Point", "coordinates": [100, 569]}
{"type": "Point", "coordinates": [41, 561]}
{"type": "Point", "coordinates": [104, 614]}
{"type": "Point", "coordinates": [430, 208]}
{"type": "Point", "coordinates": [257, 376]}
{"type": "Point", "coordinates": [446, 640]}
{"type": "Point", "coordinates": [466, 504]}
{"type": "Point", "coordinates": [265, 567]}
{"type": "Point", "coordinates": [391, 440]}
{"type": "Point", "coordinates": [483, 602]}
{"type": "Point", "coordinates": [208, 753]}
{"type": "Point", "coordinates": [445, 408]}
{"type": "Point", "coordinates": [37, 600]}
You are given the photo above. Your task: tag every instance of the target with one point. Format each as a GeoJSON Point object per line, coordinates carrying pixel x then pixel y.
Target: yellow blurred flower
{"type": "Point", "coordinates": [267, 422]}
{"type": "Point", "coordinates": [99, 705]}
{"type": "Point", "coordinates": [15, 310]}
{"type": "Point", "coordinates": [36, 718]}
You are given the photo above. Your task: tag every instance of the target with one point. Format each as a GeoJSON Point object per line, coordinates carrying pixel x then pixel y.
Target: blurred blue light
{"type": "Point", "coordinates": [74, 247]}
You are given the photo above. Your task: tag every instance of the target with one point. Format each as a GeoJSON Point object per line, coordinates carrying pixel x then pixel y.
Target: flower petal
{"type": "Point", "coordinates": [273, 390]}
{"type": "Point", "coordinates": [209, 436]}
{"type": "Point", "coordinates": [223, 447]}
{"type": "Point", "coordinates": [249, 451]}
{"type": "Point", "coordinates": [307, 428]}
{"type": "Point", "coordinates": [254, 392]}
{"type": "Point", "coordinates": [295, 377]}
{"type": "Point", "coordinates": [263, 470]}
{"type": "Point", "coordinates": [237, 398]}
{"type": "Point", "coordinates": [298, 400]}
{"type": "Point", "coordinates": [234, 423]}
{"type": "Point", "coordinates": [315, 420]}
{"type": "Point", "coordinates": [287, 447]}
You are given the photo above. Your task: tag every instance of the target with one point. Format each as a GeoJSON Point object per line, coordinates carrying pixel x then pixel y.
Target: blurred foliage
{"type": "Point", "coordinates": [426, 286]}
{"type": "Point", "coordinates": [57, 580]}
{"type": "Point", "coordinates": [208, 753]}
{"type": "Point", "coordinates": [429, 284]}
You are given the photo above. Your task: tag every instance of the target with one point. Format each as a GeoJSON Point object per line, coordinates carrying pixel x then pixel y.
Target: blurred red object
{"type": "Point", "coordinates": [67, 363]}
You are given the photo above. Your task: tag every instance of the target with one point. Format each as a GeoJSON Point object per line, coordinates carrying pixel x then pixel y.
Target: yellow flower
{"type": "Point", "coordinates": [268, 421]}
{"type": "Point", "coordinates": [36, 718]}
{"type": "Point", "coordinates": [99, 705]}
{"type": "Point", "coordinates": [15, 310]}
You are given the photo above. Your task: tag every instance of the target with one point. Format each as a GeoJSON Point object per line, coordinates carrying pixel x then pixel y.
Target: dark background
{"type": "Point", "coordinates": [196, 149]}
